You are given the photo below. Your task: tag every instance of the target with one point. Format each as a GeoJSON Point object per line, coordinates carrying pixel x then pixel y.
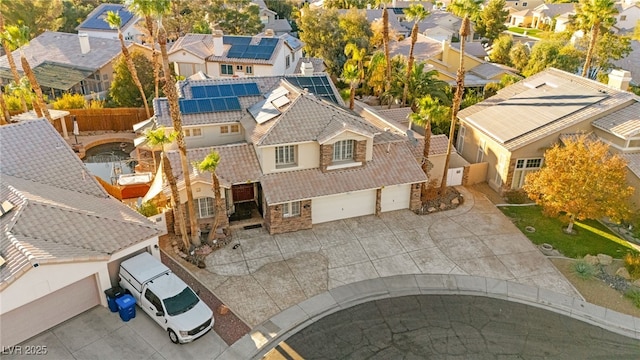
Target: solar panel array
{"type": "Point", "coordinates": [318, 85]}
{"type": "Point", "coordinates": [241, 48]}
{"type": "Point", "coordinates": [224, 90]}
{"type": "Point", "coordinates": [198, 106]}
{"type": "Point", "coordinates": [97, 21]}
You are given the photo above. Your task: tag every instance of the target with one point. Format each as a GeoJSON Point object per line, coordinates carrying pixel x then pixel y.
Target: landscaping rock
{"type": "Point", "coordinates": [636, 283]}
{"type": "Point", "coordinates": [605, 259]}
{"type": "Point", "coordinates": [443, 206]}
{"type": "Point", "coordinates": [623, 273]}
{"type": "Point", "coordinates": [431, 209]}
{"type": "Point", "coordinates": [455, 201]}
{"type": "Point", "coordinates": [592, 260]}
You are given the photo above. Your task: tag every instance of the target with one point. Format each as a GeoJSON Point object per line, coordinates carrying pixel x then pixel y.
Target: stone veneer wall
{"type": "Point", "coordinates": [415, 203]}
{"type": "Point", "coordinates": [276, 224]}
{"type": "Point", "coordinates": [360, 152]}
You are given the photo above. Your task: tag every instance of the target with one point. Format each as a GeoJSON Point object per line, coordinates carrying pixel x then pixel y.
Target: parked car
{"type": "Point", "coordinates": [166, 298]}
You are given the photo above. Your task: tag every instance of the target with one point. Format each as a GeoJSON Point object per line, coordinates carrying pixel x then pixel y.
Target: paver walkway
{"type": "Point", "coordinates": [267, 274]}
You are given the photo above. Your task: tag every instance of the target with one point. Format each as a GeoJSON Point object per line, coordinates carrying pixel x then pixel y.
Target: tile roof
{"type": "Point", "coordinates": [238, 164]}
{"type": "Point", "coordinates": [318, 65]}
{"type": "Point", "coordinates": [395, 120]}
{"type": "Point", "coordinates": [488, 70]}
{"type": "Point", "coordinates": [425, 48]}
{"type": "Point", "coordinates": [631, 62]}
{"type": "Point", "coordinates": [307, 118]}
{"type": "Point", "coordinates": [64, 50]}
{"type": "Point", "coordinates": [61, 213]}
{"type": "Point", "coordinates": [438, 146]}
{"type": "Point", "coordinates": [578, 100]}
{"type": "Point", "coordinates": [633, 162]}
{"type": "Point", "coordinates": [385, 169]}
{"type": "Point", "coordinates": [624, 123]}
{"type": "Point", "coordinates": [473, 48]}
{"type": "Point", "coordinates": [553, 10]}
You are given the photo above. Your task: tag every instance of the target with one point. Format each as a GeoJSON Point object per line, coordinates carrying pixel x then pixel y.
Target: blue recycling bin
{"type": "Point", "coordinates": [126, 307]}
{"type": "Point", "coordinates": [112, 294]}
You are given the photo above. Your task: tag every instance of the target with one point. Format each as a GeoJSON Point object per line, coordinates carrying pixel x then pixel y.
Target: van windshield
{"type": "Point", "coordinates": [181, 303]}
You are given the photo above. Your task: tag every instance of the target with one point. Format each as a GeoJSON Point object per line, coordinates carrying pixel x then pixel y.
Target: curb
{"type": "Point", "coordinates": [280, 327]}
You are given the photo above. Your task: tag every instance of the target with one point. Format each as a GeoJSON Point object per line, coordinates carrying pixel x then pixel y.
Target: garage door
{"type": "Point", "coordinates": [343, 206]}
{"type": "Point", "coordinates": [396, 197]}
{"type": "Point", "coordinates": [37, 316]}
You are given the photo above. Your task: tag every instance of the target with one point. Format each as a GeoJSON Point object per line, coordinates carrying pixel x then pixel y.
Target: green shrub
{"type": "Point", "coordinates": [516, 196]}
{"type": "Point", "coordinates": [632, 263]}
{"type": "Point", "coordinates": [634, 295]}
{"type": "Point", "coordinates": [148, 209]}
{"type": "Point", "coordinates": [69, 101]}
{"type": "Point", "coordinates": [14, 103]}
{"type": "Point", "coordinates": [584, 270]}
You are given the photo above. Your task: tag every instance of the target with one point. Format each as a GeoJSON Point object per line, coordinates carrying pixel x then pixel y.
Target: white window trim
{"type": "Point", "coordinates": [288, 210]}
{"type": "Point", "coordinates": [343, 160]}
{"type": "Point", "coordinates": [213, 209]}
{"type": "Point", "coordinates": [460, 143]}
{"type": "Point", "coordinates": [229, 132]}
{"type": "Point", "coordinates": [188, 132]}
{"type": "Point", "coordinates": [293, 149]}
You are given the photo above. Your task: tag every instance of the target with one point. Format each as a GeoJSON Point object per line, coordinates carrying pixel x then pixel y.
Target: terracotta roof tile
{"type": "Point", "coordinates": [394, 167]}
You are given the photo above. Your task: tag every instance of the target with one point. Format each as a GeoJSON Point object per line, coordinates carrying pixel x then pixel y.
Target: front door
{"type": "Point", "coordinates": [242, 192]}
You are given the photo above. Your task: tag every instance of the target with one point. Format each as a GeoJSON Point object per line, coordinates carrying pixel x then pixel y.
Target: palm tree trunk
{"type": "Point", "coordinates": [424, 195]}
{"type": "Point", "coordinates": [154, 57]}
{"type": "Point", "coordinates": [174, 110]}
{"type": "Point", "coordinates": [414, 39]}
{"type": "Point", "coordinates": [457, 99]}
{"type": "Point", "coordinates": [12, 65]}
{"type": "Point", "coordinates": [36, 88]}
{"type": "Point", "coordinates": [385, 41]}
{"type": "Point", "coordinates": [352, 95]}
{"type": "Point", "coordinates": [134, 73]}
{"type": "Point", "coordinates": [592, 45]}
{"type": "Point", "coordinates": [219, 205]}
{"type": "Point", "coordinates": [176, 205]}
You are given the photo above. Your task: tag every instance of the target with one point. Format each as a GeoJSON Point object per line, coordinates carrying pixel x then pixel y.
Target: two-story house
{"type": "Point", "coordinates": [440, 55]}
{"type": "Point", "coordinates": [270, 20]}
{"type": "Point", "coordinates": [511, 130]}
{"type": "Point", "coordinates": [219, 55]}
{"type": "Point", "coordinates": [75, 63]}
{"type": "Point", "coordinates": [297, 155]}
{"type": "Point", "coordinates": [96, 26]}
{"type": "Point", "coordinates": [628, 15]}
{"type": "Point", "coordinates": [547, 14]}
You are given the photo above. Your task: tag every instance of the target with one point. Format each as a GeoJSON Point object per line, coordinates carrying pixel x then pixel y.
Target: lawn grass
{"type": "Point", "coordinates": [591, 236]}
{"type": "Point", "coordinates": [530, 32]}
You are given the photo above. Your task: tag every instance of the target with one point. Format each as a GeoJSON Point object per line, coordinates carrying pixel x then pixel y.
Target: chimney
{"type": "Point", "coordinates": [445, 51]}
{"type": "Point", "coordinates": [306, 68]}
{"type": "Point", "coordinates": [218, 44]}
{"type": "Point", "coordinates": [619, 79]}
{"type": "Point", "coordinates": [269, 33]}
{"type": "Point", "coordinates": [84, 42]}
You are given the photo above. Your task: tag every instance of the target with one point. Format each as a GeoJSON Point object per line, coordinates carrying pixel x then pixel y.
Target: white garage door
{"type": "Point", "coordinates": [396, 197]}
{"type": "Point", "coordinates": [343, 206]}
{"type": "Point", "coordinates": [37, 316]}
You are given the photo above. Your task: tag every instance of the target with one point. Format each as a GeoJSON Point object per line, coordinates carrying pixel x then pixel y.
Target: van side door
{"type": "Point", "coordinates": [153, 306]}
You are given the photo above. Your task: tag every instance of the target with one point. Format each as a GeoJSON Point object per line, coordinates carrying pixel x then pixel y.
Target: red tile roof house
{"type": "Point", "coordinates": [294, 151]}
{"type": "Point", "coordinates": [63, 237]}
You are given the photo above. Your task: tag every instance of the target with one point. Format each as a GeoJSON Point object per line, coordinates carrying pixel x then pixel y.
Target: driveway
{"type": "Point", "coordinates": [266, 274]}
{"type": "Point", "coordinates": [100, 334]}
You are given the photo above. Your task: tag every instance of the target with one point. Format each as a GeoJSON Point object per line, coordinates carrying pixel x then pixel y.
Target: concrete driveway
{"type": "Point", "coordinates": [267, 274]}
{"type": "Point", "coordinates": [101, 334]}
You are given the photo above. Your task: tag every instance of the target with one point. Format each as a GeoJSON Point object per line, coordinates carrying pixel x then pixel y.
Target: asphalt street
{"type": "Point", "coordinates": [452, 327]}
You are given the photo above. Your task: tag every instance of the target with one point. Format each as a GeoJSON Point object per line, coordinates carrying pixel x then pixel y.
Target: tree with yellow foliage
{"type": "Point", "coordinates": [581, 180]}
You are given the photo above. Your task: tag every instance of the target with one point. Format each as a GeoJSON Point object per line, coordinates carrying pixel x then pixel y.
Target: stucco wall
{"type": "Point", "coordinates": [308, 157]}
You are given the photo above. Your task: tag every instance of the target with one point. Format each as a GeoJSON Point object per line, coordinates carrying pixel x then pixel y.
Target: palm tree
{"type": "Point", "coordinates": [158, 9]}
{"type": "Point", "coordinates": [351, 75]}
{"type": "Point", "coordinates": [419, 84]}
{"type": "Point", "coordinates": [115, 22]}
{"type": "Point", "coordinates": [429, 109]}
{"type": "Point", "coordinates": [12, 63]}
{"type": "Point", "coordinates": [415, 13]}
{"type": "Point", "coordinates": [597, 15]}
{"type": "Point", "coordinates": [160, 138]}
{"type": "Point", "coordinates": [358, 56]}
{"type": "Point", "coordinates": [145, 10]}
{"type": "Point", "coordinates": [18, 38]}
{"type": "Point", "coordinates": [385, 41]}
{"type": "Point", "coordinates": [210, 163]}
{"type": "Point", "coordinates": [469, 10]}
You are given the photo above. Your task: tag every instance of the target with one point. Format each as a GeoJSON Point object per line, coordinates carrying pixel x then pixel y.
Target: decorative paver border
{"type": "Point", "coordinates": [285, 324]}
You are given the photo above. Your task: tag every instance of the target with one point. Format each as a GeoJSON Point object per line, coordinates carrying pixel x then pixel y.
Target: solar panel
{"type": "Point", "coordinates": [252, 89]}
{"type": "Point", "coordinates": [204, 105]}
{"type": "Point", "coordinates": [213, 91]}
{"type": "Point", "coordinates": [198, 92]}
{"type": "Point", "coordinates": [236, 40]}
{"type": "Point", "coordinates": [270, 42]}
{"type": "Point", "coordinates": [233, 103]}
{"type": "Point", "coordinates": [238, 89]}
{"type": "Point", "coordinates": [97, 21]}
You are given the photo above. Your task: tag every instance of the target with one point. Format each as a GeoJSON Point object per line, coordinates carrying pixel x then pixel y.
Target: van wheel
{"type": "Point", "coordinates": [173, 337]}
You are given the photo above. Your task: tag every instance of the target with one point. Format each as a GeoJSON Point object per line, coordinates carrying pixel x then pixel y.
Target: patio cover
{"type": "Point", "coordinates": [55, 76]}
